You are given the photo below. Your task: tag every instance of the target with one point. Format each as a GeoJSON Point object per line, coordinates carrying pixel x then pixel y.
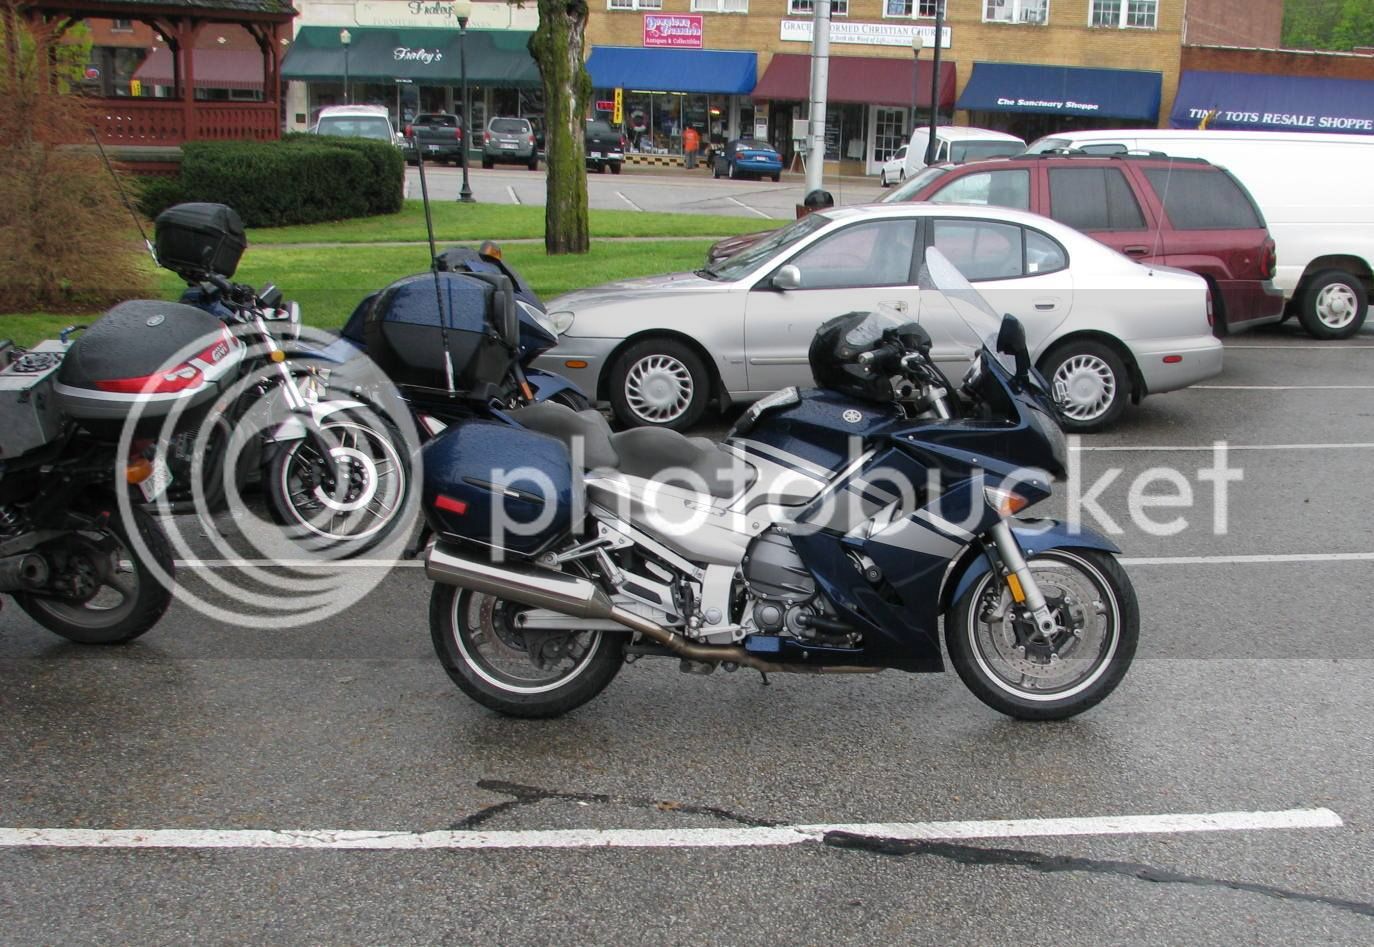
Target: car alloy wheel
{"type": "Point", "coordinates": [659, 389]}
{"type": "Point", "coordinates": [1085, 386]}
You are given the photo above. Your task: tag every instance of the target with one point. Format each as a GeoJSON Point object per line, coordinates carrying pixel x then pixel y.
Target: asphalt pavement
{"type": "Point", "coordinates": [1251, 694]}
{"type": "Point", "coordinates": [648, 189]}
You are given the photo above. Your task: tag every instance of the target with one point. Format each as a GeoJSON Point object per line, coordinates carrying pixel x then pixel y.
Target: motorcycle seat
{"type": "Point", "coordinates": [649, 452]}
{"type": "Point", "coordinates": [639, 452]}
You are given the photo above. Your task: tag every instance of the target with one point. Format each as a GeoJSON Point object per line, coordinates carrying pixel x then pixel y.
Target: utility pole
{"type": "Point", "coordinates": [820, 79]}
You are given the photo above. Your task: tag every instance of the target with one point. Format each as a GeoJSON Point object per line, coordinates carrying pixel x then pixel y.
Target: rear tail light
{"type": "Point", "coordinates": [1211, 311]}
{"type": "Point", "coordinates": [409, 131]}
{"type": "Point", "coordinates": [183, 377]}
{"type": "Point", "coordinates": [486, 137]}
{"type": "Point", "coordinates": [531, 139]}
{"type": "Point", "coordinates": [457, 134]}
{"type": "Point", "coordinates": [622, 142]}
{"type": "Point", "coordinates": [1271, 258]}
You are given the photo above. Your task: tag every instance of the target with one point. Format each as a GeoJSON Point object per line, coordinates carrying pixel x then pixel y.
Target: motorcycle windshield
{"type": "Point", "coordinates": [980, 322]}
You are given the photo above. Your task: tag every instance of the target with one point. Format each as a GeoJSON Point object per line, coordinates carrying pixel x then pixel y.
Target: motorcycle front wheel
{"type": "Point", "coordinates": [518, 672]}
{"type": "Point", "coordinates": [115, 595]}
{"type": "Point", "coordinates": [351, 493]}
{"type": "Point", "coordinates": [1014, 669]}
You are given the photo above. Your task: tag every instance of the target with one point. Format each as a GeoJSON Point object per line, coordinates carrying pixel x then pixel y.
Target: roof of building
{"type": "Point", "coordinates": [278, 7]}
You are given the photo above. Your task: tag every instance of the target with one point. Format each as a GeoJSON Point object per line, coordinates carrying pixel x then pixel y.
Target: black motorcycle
{"type": "Point", "coordinates": [68, 557]}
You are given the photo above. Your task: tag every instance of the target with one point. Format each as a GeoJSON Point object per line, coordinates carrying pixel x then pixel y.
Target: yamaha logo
{"type": "Point", "coordinates": [156, 320]}
{"type": "Point", "coordinates": [852, 417]}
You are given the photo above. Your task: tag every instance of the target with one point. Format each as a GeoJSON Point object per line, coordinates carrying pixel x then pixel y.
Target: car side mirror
{"type": "Point", "coordinates": [1011, 340]}
{"type": "Point", "coordinates": [788, 277]}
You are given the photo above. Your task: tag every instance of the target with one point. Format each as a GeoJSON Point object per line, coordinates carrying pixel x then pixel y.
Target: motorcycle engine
{"type": "Point", "coordinates": [781, 588]}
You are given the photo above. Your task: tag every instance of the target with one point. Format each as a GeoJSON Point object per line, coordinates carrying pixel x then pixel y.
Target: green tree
{"type": "Point", "coordinates": [558, 47]}
{"type": "Point", "coordinates": [1354, 26]}
{"type": "Point", "coordinates": [1308, 24]}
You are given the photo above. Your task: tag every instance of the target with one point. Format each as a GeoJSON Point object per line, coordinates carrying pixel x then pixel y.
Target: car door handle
{"type": "Point", "coordinates": [1046, 305]}
{"type": "Point", "coordinates": [1136, 250]}
{"type": "Point", "coordinates": [897, 304]}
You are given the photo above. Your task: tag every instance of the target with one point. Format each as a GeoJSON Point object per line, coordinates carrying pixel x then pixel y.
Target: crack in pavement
{"type": "Point", "coordinates": [523, 795]}
{"type": "Point", "coordinates": [1053, 864]}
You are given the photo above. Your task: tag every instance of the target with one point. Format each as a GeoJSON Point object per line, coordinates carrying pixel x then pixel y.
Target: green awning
{"type": "Point", "coordinates": [498, 58]}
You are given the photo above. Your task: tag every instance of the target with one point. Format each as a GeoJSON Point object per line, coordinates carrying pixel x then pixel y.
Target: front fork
{"type": "Point", "coordinates": [1025, 592]}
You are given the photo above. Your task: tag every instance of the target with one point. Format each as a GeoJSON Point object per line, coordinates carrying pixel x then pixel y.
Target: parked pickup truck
{"type": "Point", "coordinates": [438, 134]}
{"type": "Point", "coordinates": [605, 146]}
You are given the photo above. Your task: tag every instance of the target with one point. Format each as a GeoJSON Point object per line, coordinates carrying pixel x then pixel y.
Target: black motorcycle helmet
{"type": "Point", "coordinates": [838, 343]}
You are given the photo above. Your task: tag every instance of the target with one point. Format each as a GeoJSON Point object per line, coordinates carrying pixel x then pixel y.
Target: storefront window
{"type": "Point", "coordinates": [845, 132]}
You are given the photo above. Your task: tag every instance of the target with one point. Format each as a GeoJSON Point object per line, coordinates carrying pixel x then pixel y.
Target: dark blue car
{"type": "Point", "coordinates": [746, 157]}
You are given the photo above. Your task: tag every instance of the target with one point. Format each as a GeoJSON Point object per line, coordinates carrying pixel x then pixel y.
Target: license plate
{"type": "Point", "coordinates": [509, 144]}
{"type": "Point", "coordinates": [158, 481]}
{"type": "Point", "coordinates": [596, 154]}
{"type": "Point", "coordinates": [433, 147]}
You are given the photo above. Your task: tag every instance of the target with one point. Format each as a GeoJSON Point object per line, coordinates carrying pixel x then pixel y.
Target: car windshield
{"type": "Point", "coordinates": [510, 126]}
{"type": "Point", "coordinates": [962, 152]}
{"type": "Point", "coordinates": [749, 144]}
{"type": "Point", "coordinates": [355, 126]}
{"type": "Point", "coordinates": [748, 259]}
{"type": "Point", "coordinates": [447, 121]}
{"type": "Point", "coordinates": [1042, 145]}
{"type": "Point", "coordinates": [911, 185]}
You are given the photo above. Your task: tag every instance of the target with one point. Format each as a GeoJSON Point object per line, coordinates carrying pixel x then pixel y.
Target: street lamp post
{"type": "Point", "coordinates": [462, 9]}
{"type": "Point", "coordinates": [935, 82]}
{"type": "Point", "coordinates": [345, 39]}
{"type": "Point", "coordinates": [918, 43]}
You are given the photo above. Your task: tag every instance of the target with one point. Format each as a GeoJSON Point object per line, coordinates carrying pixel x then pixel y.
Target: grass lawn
{"type": "Point", "coordinates": [454, 221]}
{"type": "Point", "coordinates": [329, 282]}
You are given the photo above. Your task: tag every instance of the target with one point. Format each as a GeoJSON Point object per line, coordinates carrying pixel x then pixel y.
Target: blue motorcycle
{"type": "Point", "coordinates": [830, 532]}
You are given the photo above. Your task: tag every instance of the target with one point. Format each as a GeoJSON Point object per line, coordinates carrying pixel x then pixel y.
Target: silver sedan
{"type": "Point", "coordinates": [1105, 330]}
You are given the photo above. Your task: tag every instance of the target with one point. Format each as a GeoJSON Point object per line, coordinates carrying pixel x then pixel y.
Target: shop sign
{"type": "Point", "coordinates": [426, 57]}
{"type": "Point", "coordinates": [603, 105]}
{"type": "Point", "coordinates": [1068, 105]}
{"type": "Point", "coordinates": [1285, 120]}
{"type": "Point", "coordinates": [437, 14]}
{"type": "Point", "coordinates": [864, 34]}
{"type": "Point", "coordinates": [679, 31]}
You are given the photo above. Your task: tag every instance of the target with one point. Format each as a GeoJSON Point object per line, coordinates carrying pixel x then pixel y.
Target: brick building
{"type": "Point", "coordinates": [1248, 23]}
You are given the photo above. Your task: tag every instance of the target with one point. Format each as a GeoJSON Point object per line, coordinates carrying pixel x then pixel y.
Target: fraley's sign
{"type": "Point", "coordinates": [422, 55]}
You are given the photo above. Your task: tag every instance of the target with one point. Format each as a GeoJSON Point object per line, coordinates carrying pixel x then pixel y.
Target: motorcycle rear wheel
{"type": "Point", "coordinates": [124, 607]}
{"type": "Point", "coordinates": [1095, 608]}
{"type": "Point", "coordinates": [490, 659]}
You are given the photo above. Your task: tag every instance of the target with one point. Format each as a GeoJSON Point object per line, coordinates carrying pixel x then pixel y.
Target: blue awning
{"type": "Point", "coordinates": [1274, 103]}
{"type": "Point", "coordinates": [1062, 90]}
{"type": "Point", "coordinates": [673, 70]}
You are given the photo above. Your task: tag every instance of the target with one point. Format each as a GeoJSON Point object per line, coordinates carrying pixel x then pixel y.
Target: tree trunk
{"type": "Point", "coordinates": [557, 47]}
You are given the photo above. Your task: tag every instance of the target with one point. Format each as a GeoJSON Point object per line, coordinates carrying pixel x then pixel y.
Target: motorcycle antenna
{"type": "Point", "coordinates": [123, 196]}
{"type": "Point", "coordinates": [434, 267]}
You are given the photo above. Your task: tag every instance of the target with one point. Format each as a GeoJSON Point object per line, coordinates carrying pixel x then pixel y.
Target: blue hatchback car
{"type": "Point", "coordinates": [745, 158]}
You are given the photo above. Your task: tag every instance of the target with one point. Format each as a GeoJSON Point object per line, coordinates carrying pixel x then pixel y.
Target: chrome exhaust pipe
{"type": "Point", "coordinates": [25, 572]}
{"type": "Point", "coordinates": [581, 598]}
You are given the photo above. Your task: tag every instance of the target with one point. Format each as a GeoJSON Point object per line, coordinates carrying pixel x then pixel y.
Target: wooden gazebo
{"type": "Point", "coordinates": [146, 121]}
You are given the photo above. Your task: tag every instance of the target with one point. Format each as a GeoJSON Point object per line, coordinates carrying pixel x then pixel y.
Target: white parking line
{"type": "Point", "coordinates": [1247, 560]}
{"type": "Point", "coordinates": [1328, 347]}
{"type": "Point", "coordinates": [745, 837]}
{"type": "Point", "coordinates": [514, 198]}
{"type": "Point", "coordinates": [633, 205]}
{"type": "Point", "coordinates": [1283, 387]}
{"type": "Point", "coordinates": [752, 210]}
{"type": "Point", "coordinates": [1208, 448]}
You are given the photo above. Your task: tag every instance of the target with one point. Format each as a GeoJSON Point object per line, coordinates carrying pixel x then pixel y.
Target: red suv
{"type": "Point", "coordinates": [1182, 212]}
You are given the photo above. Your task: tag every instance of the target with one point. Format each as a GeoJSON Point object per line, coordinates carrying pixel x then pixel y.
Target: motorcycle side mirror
{"type": "Point", "coordinates": [270, 296]}
{"type": "Point", "coordinates": [788, 277]}
{"type": "Point", "coordinates": [508, 317]}
{"type": "Point", "coordinates": [1011, 340]}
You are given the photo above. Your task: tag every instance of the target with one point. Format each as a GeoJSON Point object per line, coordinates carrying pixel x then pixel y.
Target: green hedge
{"type": "Point", "coordinates": [302, 179]}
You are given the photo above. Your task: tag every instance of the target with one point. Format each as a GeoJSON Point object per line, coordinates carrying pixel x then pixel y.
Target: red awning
{"type": "Point", "coordinates": [213, 68]}
{"type": "Point", "coordinates": [857, 79]}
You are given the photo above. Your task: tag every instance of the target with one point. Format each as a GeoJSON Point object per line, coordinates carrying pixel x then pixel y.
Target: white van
{"type": "Point", "coordinates": [1317, 196]}
{"type": "Point", "coordinates": [958, 144]}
